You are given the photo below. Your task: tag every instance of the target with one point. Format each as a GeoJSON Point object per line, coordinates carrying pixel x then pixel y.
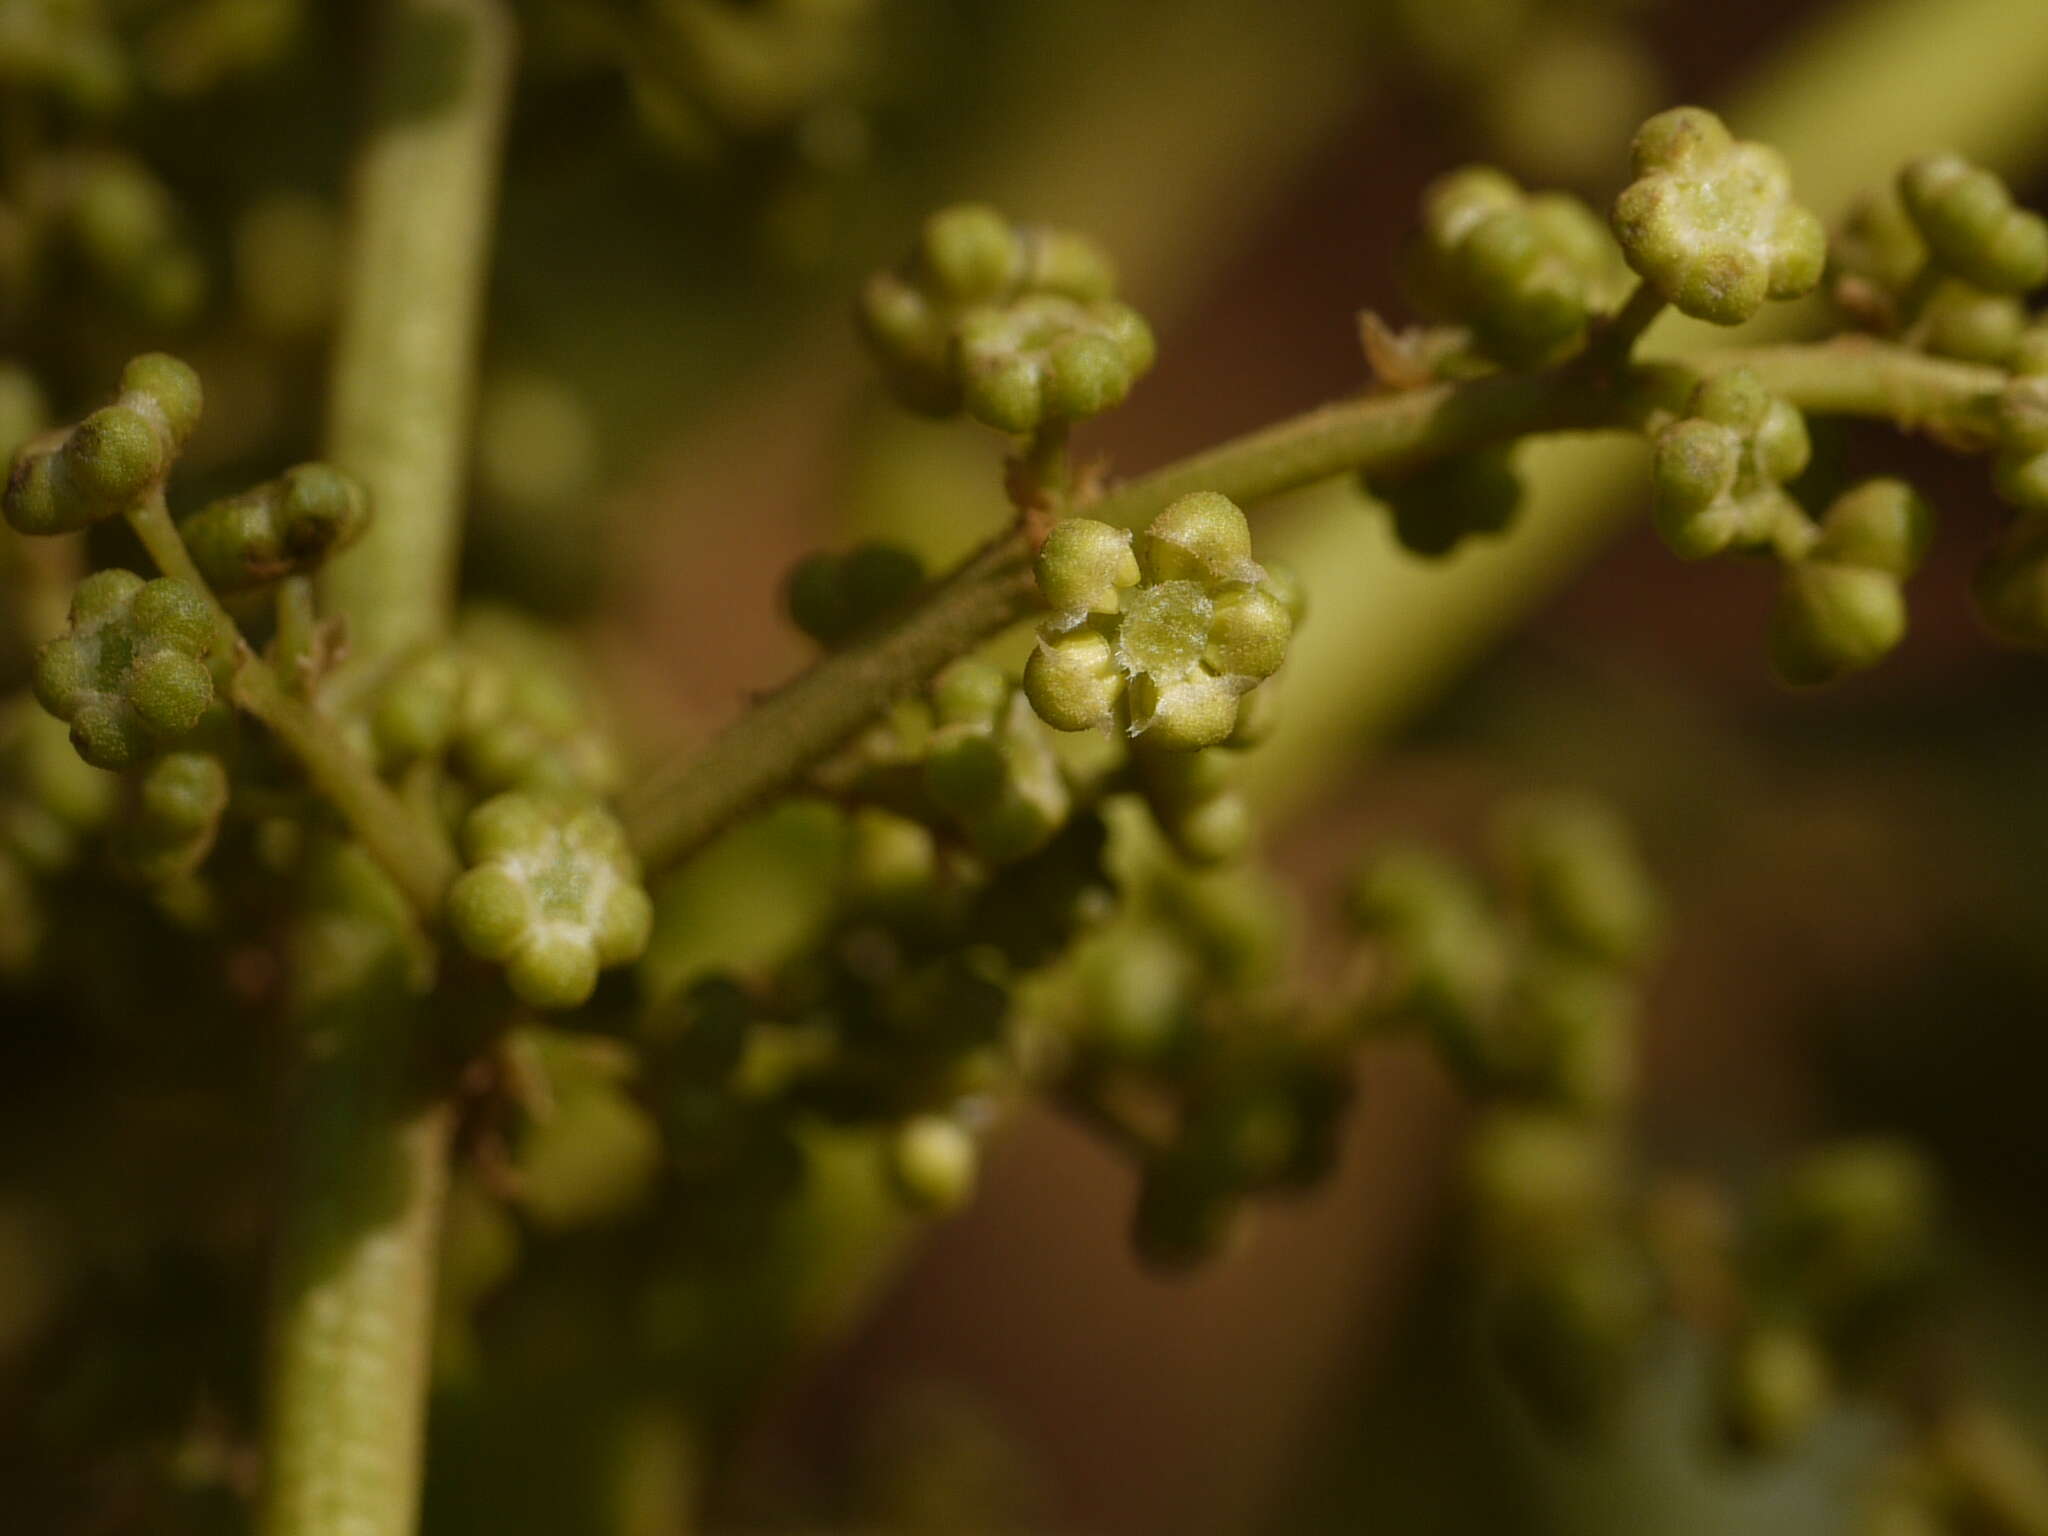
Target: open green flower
{"type": "Point", "coordinates": [129, 675]}
{"type": "Point", "coordinates": [1172, 651]}
{"type": "Point", "coordinates": [1709, 221]}
{"type": "Point", "coordinates": [1720, 471]}
{"type": "Point", "coordinates": [552, 893]}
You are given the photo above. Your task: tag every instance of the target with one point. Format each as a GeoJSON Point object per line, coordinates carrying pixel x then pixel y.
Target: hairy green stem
{"type": "Point", "coordinates": [767, 750]}
{"type": "Point", "coordinates": [411, 851]}
{"type": "Point", "coordinates": [404, 359]}
{"type": "Point", "coordinates": [352, 1303]}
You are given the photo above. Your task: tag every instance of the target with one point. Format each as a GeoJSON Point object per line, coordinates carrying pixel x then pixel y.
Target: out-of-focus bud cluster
{"type": "Point", "coordinates": [1017, 326]}
{"type": "Point", "coordinates": [1530, 995]}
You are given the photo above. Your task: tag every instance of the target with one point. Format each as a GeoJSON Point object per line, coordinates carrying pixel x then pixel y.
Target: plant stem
{"type": "Point", "coordinates": [769, 748]}
{"type": "Point", "coordinates": [352, 1305]}
{"type": "Point", "coordinates": [411, 851]}
{"type": "Point", "coordinates": [297, 633]}
{"type": "Point", "coordinates": [404, 360]}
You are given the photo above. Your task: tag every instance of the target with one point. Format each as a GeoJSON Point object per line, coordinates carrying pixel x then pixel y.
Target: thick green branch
{"type": "Point", "coordinates": [352, 1304]}
{"type": "Point", "coordinates": [768, 749]}
{"type": "Point", "coordinates": [404, 360]}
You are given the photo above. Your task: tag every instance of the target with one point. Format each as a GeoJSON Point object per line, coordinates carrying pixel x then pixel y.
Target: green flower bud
{"type": "Point", "coordinates": [552, 893]}
{"type": "Point", "coordinates": [179, 804]}
{"type": "Point", "coordinates": [104, 465]}
{"type": "Point", "coordinates": [832, 598]}
{"type": "Point", "coordinates": [525, 721]}
{"type": "Point", "coordinates": [1539, 1182]}
{"type": "Point", "coordinates": [285, 527]}
{"type": "Point", "coordinates": [1878, 245]}
{"type": "Point", "coordinates": [419, 710]}
{"type": "Point", "coordinates": [2011, 586]}
{"type": "Point", "coordinates": [1567, 1037]}
{"type": "Point", "coordinates": [1049, 359]}
{"type": "Point", "coordinates": [990, 767]}
{"type": "Point", "coordinates": [1443, 959]}
{"type": "Point", "coordinates": [1192, 799]}
{"type": "Point", "coordinates": [1575, 867]}
{"type": "Point", "coordinates": [167, 389]}
{"type": "Point", "coordinates": [1526, 273]}
{"type": "Point", "coordinates": [1975, 327]}
{"type": "Point", "coordinates": [125, 228]}
{"type": "Point", "coordinates": [1847, 1222]}
{"type": "Point", "coordinates": [1843, 608]}
{"type": "Point", "coordinates": [1719, 472]}
{"type": "Point", "coordinates": [970, 253]}
{"type": "Point", "coordinates": [1775, 1386]}
{"type": "Point", "coordinates": [129, 674]}
{"type": "Point", "coordinates": [1083, 565]}
{"type": "Point", "coordinates": [932, 1160]}
{"type": "Point", "coordinates": [892, 865]}
{"type": "Point", "coordinates": [1968, 220]}
{"type": "Point", "coordinates": [2019, 471]}
{"type": "Point", "coordinates": [23, 411]}
{"type": "Point", "coordinates": [1203, 537]}
{"type": "Point", "coordinates": [1072, 679]}
{"type": "Point", "coordinates": [1437, 508]}
{"type": "Point", "coordinates": [1834, 619]}
{"type": "Point", "coordinates": [1709, 221]}
{"type": "Point", "coordinates": [588, 1155]}
{"type": "Point", "coordinates": [1017, 325]}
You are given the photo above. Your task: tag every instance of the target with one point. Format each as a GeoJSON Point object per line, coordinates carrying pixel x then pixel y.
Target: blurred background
{"type": "Point", "coordinates": [673, 410]}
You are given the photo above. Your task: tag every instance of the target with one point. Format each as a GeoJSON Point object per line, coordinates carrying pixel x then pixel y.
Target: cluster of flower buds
{"type": "Point", "coordinates": [284, 527]}
{"type": "Point", "coordinates": [1530, 999]}
{"type": "Point", "coordinates": [1539, 1008]}
{"type": "Point", "coordinates": [1016, 326]}
{"type": "Point", "coordinates": [503, 706]}
{"type": "Point", "coordinates": [98, 469]}
{"type": "Point", "coordinates": [989, 766]}
{"type": "Point", "coordinates": [1941, 260]}
{"type": "Point", "coordinates": [585, 1152]}
{"type": "Point", "coordinates": [1719, 486]}
{"type": "Point", "coordinates": [2012, 583]}
{"type": "Point", "coordinates": [129, 675]}
{"type": "Point", "coordinates": [178, 803]}
{"type": "Point", "coordinates": [1161, 637]}
{"type": "Point", "coordinates": [1721, 469]}
{"type": "Point", "coordinates": [127, 232]}
{"type": "Point", "coordinates": [1834, 1267]}
{"type": "Point", "coordinates": [1842, 606]}
{"type": "Point", "coordinates": [833, 597]}
{"type": "Point", "coordinates": [1526, 272]}
{"type": "Point", "coordinates": [1709, 221]}
{"type": "Point", "coordinates": [552, 893]}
